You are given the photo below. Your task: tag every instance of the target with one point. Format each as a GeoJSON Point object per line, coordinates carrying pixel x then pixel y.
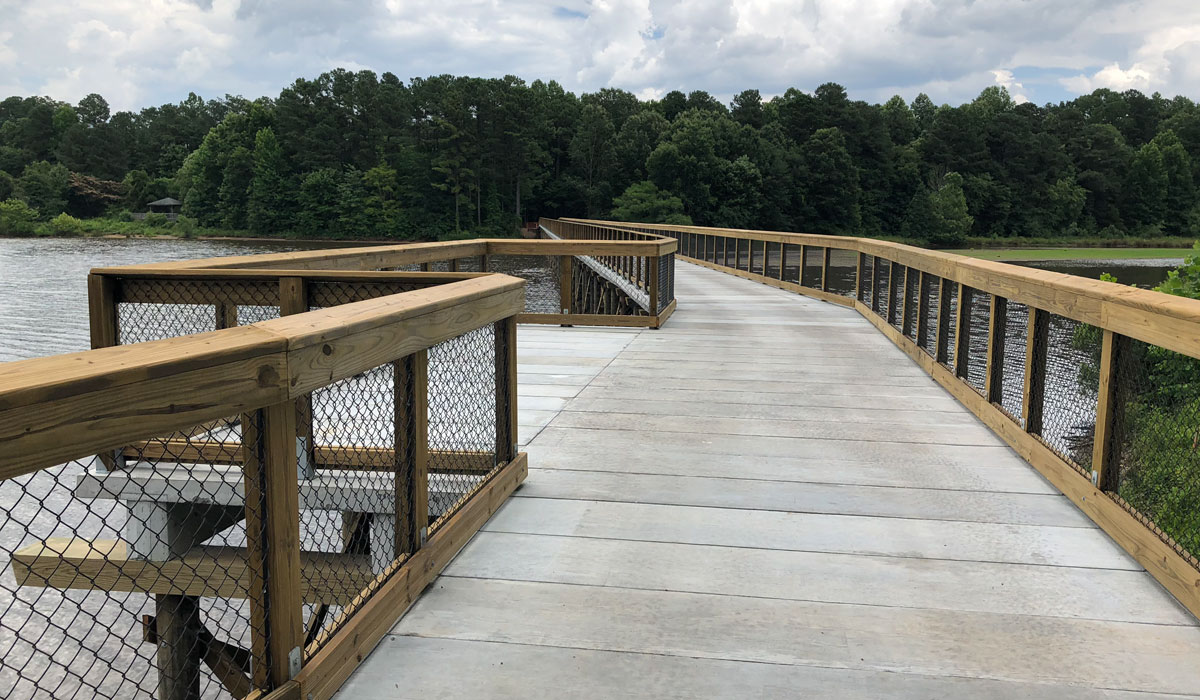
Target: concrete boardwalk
{"type": "Point", "coordinates": [767, 499]}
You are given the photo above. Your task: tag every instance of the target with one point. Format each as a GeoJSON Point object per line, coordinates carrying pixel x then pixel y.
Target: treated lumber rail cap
{"type": "Point", "coordinates": [67, 563]}
{"type": "Point", "coordinates": [1153, 317]}
{"type": "Point", "coordinates": [333, 258]}
{"type": "Point", "coordinates": [272, 275]}
{"type": "Point", "coordinates": [56, 409]}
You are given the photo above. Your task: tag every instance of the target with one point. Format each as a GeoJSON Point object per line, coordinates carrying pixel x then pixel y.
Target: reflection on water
{"type": "Point", "coordinates": [1142, 273]}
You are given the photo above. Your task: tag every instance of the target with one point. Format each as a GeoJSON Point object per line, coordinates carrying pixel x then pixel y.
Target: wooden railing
{"type": "Point", "coordinates": [219, 486]}
{"type": "Point", "coordinates": [1093, 383]}
{"type": "Point", "coordinates": [562, 288]}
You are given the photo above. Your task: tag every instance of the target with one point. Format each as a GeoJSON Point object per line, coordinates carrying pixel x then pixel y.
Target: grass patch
{"type": "Point", "coordinates": [1035, 254]}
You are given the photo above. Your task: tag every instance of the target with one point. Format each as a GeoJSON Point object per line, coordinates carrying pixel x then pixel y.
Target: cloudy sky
{"type": "Point", "coordinates": [142, 52]}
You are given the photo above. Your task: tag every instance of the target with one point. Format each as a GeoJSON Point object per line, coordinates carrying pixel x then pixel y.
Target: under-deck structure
{"type": "Point", "coordinates": [625, 460]}
{"type": "Point", "coordinates": [767, 498]}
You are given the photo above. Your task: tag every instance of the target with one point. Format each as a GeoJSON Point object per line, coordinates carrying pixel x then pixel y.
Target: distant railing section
{"type": "Point", "coordinates": [1096, 384]}
{"type": "Point", "coordinates": [244, 504]}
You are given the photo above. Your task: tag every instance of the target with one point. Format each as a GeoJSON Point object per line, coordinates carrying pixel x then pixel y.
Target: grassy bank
{"type": "Point", "coordinates": [1035, 254]}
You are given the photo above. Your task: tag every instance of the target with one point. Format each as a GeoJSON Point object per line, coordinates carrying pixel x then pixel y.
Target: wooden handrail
{"type": "Point", "coordinates": [1161, 319]}
{"type": "Point", "coordinates": [56, 409]}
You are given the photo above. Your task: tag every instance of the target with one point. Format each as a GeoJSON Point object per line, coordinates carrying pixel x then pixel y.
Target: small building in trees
{"type": "Point", "coordinates": [168, 206]}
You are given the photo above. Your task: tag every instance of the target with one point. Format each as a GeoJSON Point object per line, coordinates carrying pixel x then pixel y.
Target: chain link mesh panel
{"type": "Point", "coordinates": [812, 268]}
{"type": "Point", "coordinates": [1072, 382]}
{"type": "Point", "coordinates": [864, 284]}
{"type": "Point", "coordinates": [1157, 436]}
{"type": "Point", "coordinates": [950, 341]}
{"type": "Point", "coordinates": [931, 296]}
{"type": "Point", "coordinates": [129, 574]}
{"type": "Point", "coordinates": [912, 297]}
{"type": "Point", "coordinates": [843, 268]}
{"type": "Point", "coordinates": [541, 274]}
{"type": "Point", "coordinates": [666, 281]}
{"type": "Point", "coordinates": [977, 340]}
{"type": "Point", "coordinates": [879, 276]}
{"type": "Point", "coordinates": [1016, 331]}
{"type": "Point", "coordinates": [895, 302]}
{"type": "Point", "coordinates": [771, 259]}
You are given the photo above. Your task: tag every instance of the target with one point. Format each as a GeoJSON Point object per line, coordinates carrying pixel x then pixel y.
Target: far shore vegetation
{"type": "Point", "coordinates": [361, 156]}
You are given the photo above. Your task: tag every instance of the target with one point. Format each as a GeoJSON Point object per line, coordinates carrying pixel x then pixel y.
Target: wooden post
{"type": "Point", "coordinates": [226, 315]}
{"type": "Point", "coordinates": [962, 331]}
{"type": "Point", "coordinates": [454, 264]}
{"type": "Point", "coordinates": [825, 269]}
{"type": "Point", "coordinates": [1110, 412]}
{"type": "Point", "coordinates": [483, 262]}
{"type": "Point", "coordinates": [177, 629]}
{"type": "Point", "coordinates": [725, 251]}
{"type": "Point", "coordinates": [424, 267]}
{"type": "Point", "coordinates": [997, 329]}
{"type": "Point", "coordinates": [803, 264]}
{"type": "Point", "coordinates": [102, 310]}
{"type": "Point", "coordinates": [273, 516]}
{"type": "Point", "coordinates": [411, 443]}
{"type": "Point", "coordinates": [905, 324]}
{"type": "Point", "coordinates": [566, 279]}
{"type": "Point", "coordinates": [941, 349]}
{"type": "Point", "coordinates": [858, 276]}
{"type": "Point", "coordinates": [293, 299]}
{"type": "Point", "coordinates": [1034, 391]}
{"type": "Point", "coordinates": [782, 259]}
{"type": "Point", "coordinates": [506, 390]}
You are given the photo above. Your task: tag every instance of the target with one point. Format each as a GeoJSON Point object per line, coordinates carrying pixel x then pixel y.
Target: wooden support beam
{"type": "Point", "coordinates": [102, 310]}
{"type": "Point", "coordinates": [825, 268]}
{"type": "Point", "coordinates": [1110, 411]}
{"type": "Point", "coordinates": [411, 416]}
{"type": "Point", "coordinates": [942, 341]}
{"type": "Point", "coordinates": [566, 281]}
{"type": "Point", "coordinates": [889, 309]}
{"type": "Point", "coordinates": [293, 299]}
{"type": "Point", "coordinates": [962, 331]}
{"type": "Point", "coordinates": [997, 329]}
{"type": "Point", "coordinates": [803, 264]}
{"type": "Point", "coordinates": [873, 302]}
{"type": "Point", "coordinates": [859, 282]}
{"type": "Point", "coordinates": [506, 390]}
{"type": "Point", "coordinates": [905, 324]}
{"type": "Point", "coordinates": [177, 626]}
{"type": "Point", "coordinates": [653, 283]}
{"type": "Point", "coordinates": [1034, 391]}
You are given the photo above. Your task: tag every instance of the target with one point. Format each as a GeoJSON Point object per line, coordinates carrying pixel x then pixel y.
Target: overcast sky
{"type": "Point", "coordinates": [143, 52]}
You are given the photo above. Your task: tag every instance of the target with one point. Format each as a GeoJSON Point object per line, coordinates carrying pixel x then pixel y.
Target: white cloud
{"type": "Point", "coordinates": [138, 52]}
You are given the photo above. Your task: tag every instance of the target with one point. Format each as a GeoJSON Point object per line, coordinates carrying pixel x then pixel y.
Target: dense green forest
{"type": "Point", "coordinates": [358, 155]}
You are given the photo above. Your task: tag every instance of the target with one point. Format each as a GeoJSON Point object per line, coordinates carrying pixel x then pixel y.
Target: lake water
{"type": "Point", "coordinates": [43, 282]}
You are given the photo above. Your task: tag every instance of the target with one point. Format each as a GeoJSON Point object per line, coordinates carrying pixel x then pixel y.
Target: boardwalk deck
{"type": "Point", "coordinates": [767, 499]}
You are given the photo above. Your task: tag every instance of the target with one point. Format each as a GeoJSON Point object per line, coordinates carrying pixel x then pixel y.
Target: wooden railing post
{"type": "Point", "coordinates": [825, 269]}
{"type": "Point", "coordinates": [873, 304]}
{"type": "Point", "coordinates": [273, 541]}
{"type": "Point", "coordinates": [102, 310]}
{"type": "Point", "coordinates": [293, 299]}
{"type": "Point", "coordinates": [506, 389]}
{"type": "Point", "coordinates": [803, 264]}
{"type": "Point", "coordinates": [411, 445]}
{"type": "Point", "coordinates": [782, 259]}
{"type": "Point", "coordinates": [1034, 391]}
{"type": "Point", "coordinates": [962, 332]}
{"type": "Point", "coordinates": [905, 324]}
{"type": "Point", "coordinates": [1110, 412]}
{"type": "Point", "coordinates": [997, 329]}
{"type": "Point", "coordinates": [566, 280]}
{"type": "Point", "coordinates": [942, 341]}
{"type": "Point", "coordinates": [858, 276]}
{"type": "Point", "coordinates": [725, 251]}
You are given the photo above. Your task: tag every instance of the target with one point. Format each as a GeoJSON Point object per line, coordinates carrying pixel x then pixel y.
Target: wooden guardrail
{"type": "Point", "coordinates": [561, 290]}
{"type": "Point", "coordinates": [191, 512]}
{"type": "Point", "coordinates": [1093, 383]}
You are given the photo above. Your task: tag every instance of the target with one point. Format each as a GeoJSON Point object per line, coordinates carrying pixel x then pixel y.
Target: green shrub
{"type": "Point", "coordinates": [66, 225]}
{"type": "Point", "coordinates": [125, 216]}
{"type": "Point", "coordinates": [186, 226]}
{"type": "Point", "coordinates": [17, 218]}
{"type": "Point", "coordinates": [155, 220]}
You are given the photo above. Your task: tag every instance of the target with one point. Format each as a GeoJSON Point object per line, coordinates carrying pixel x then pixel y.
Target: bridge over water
{"type": "Point", "coordinates": [758, 465]}
{"type": "Point", "coordinates": [767, 498]}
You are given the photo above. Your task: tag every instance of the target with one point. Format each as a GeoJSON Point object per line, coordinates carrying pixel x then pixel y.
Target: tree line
{"type": "Point", "coordinates": [355, 154]}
